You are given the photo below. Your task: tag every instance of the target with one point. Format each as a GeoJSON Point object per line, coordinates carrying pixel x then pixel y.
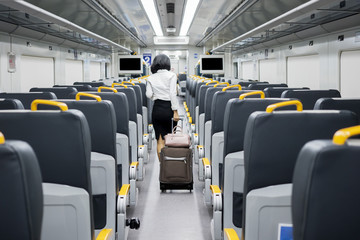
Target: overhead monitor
{"type": "Point", "coordinates": [130, 64]}
{"type": "Point", "coordinates": [212, 64]}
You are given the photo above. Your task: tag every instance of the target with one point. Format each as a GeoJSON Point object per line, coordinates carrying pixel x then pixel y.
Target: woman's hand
{"type": "Point", "coordinates": [176, 116]}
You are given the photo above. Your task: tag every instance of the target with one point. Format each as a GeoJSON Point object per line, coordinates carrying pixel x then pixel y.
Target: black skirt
{"type": "Point", "coordinates": [161, 118]}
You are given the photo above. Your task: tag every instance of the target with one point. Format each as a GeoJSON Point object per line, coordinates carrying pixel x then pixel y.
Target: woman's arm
{"type": "Point", "coordinates": [149, 90]}
{"type": "Point", "coordinates": [173, 98]}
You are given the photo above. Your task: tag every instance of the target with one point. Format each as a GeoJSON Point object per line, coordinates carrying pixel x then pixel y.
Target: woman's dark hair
{"type": "Point", "coordinates": [161, 61]}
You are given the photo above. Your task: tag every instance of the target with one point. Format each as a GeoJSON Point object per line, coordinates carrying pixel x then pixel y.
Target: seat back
{"type": "Point", "coordinates": [143, 92]}
{"type": "Point", "coordinates": [262, 86]}
{"type": "Point", "coordinates": [273, 141]}
{"type": "Point", "coordinates": [197, 92]}
{"type": "Point", "coordinates": [21, 207]}
{"type": "Point", "coordinates": [325, 195]}
{"type": "Point", "coordinates": [80, 88]}
{"type": "Point", "coordinates": [339, 104]}
{"type": "Point", "coordinates": [93, 84]}
{"type": "Point", "coordinates": [27, 98]}
{"type": "Point", "coordinates": [275, 92]}
{"type": "Point", "coordinates": [309, 97]}
{"type": "Point", "coordinates": [209, 99]}
{"type": "Point", "coordinates": [138, 96]}
{"type": "Point", "coordinates": [10, 104]}
{"type": "Point", "coordinates": [132, 102]}
{"type": "Point", "coordinates": [60, 92]}
{"type": "Point", "coordinates": [201, 98]}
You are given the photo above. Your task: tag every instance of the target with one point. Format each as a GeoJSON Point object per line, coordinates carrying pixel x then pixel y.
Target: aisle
{"type": "Point", "coordinates": [176, 214]}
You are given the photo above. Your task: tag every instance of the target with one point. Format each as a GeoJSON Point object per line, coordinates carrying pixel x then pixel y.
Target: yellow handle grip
{"type": "Point", "coordinates": [262, 94]}
{"type": "Point", "coordinates": [233, 86]}
{"type": "Point", "coordinates": [105, 234]}
{"type": "Point", "coordinates": [215, 189]}
{"type": "Point", "coordinates": [108, 88]}
{"type": "Point", "coordinates": [96, 97]}
{"type": "Point", "coordinates": [211, 82]}
{"type": "Point", "coordinates": [223, 83]}
{"type": "Point", "coordinates": [36, 102]}
{"type": "Point", "coordinates": [2, 138]}
{"type": "Point", "coordinates": [118, 84]}
{"type": "Point", "coordinates": [231, 234]}
{"type": "Point", "coordinates": [297, 103]}
{"type": "Point", "coordinates": [124, 189]}
{"type": "Point", "coordinates": [342, 135]}
{"type": "Point", "coordinates": [128, 83]}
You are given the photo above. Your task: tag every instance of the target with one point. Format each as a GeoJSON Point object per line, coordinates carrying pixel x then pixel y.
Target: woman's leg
{"type": "Point", "coordinates": [160, 145]}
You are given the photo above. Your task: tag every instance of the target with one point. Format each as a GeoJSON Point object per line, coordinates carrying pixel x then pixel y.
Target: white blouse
{"type": "Point", "coordinates": [162, 85]}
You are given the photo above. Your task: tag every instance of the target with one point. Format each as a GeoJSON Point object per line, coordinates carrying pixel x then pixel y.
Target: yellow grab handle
{"type": "Point", "coordinates": [124, 189]}
{"type": "Point", "coordinates": [96, 97]}
{"type": "Point", "coordinates": [223, 83]}
{"type": "Point", "coordinates": [105, 234]}
{"type": "Point", "coordinates": [342, 135]}
{"type": "Point", "coordinates": [36, 102]}
{"type": "Point", "coordinates": [262, 94]}
{"type": "Point", "coordinates": [118, 84]}
{"type": "Point", "coordinates": [231, 234]}
{"type": "Point", "coordinates": [211, 82]}
{"type": "Point", "coordinates": [190, 119]}
{"type": "Point", "coordinates": [272, 107]}
{"type": "Point", "coordinates": [2, 138]}
{"type": "Point", "coordinates": [128, 83]}
{"type": "Point", "coordinates": [205, 162]}
{"type": "Point", "coordinates": [108, 88]}
{"type": "Point", "coordinates": [215, 189]}
{"type": "Point", "coordinates": [134, 164]}
{"type": "Point", "coordinates": [233, 86]}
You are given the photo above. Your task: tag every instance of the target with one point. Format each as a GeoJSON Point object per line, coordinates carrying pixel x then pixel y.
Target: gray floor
{"type": "Point", "coordinates": [176, 214]}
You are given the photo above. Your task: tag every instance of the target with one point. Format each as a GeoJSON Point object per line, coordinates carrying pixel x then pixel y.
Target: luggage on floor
{"type": "Point", "coordinates": [176, 168]}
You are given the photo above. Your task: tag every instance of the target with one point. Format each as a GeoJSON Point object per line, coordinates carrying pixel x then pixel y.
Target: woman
{"type": "Point", "coordinates": [161, 88]}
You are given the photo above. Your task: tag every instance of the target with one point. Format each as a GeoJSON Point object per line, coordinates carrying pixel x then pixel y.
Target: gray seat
{"type": "Point", "coordinates": [309, 97]}
{"type": "Point", "coordinates": [339, 104]}
{"type": "Point", "coordinates": [80, 88]}
{"type": "Point", "coordinates": [262, 86]}
{"type": "Point", "coordinates": [21, 207]}
{"type": "Point", "coordinates": [27, 98]}
{"type": "Point", "coordinates": [326, 196]}
{"type": "Point", "coordinates": [93, 84]}
{"type": "Point", "coordinates": [275, 92]}
{"type": "Point", "coordinates": [7, 104]}
{"type": "Point", "coordinates": [272, 143]}
{"type": "Point", "coordinates": [60, 92]}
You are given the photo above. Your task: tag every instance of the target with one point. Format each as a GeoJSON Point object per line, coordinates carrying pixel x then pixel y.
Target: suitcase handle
{"type": "Point", "coordinates": [175, 129]}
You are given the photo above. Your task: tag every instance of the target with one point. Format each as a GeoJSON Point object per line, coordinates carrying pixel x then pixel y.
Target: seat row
{"type": "Point", "coordinates": [248, 159]}
{"type": "Point", "coordinates": [88, 155]}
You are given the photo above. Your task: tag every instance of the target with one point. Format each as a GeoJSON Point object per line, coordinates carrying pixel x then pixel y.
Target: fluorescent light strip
{"type": "Point", "coordinates": [190, 9]}
{"type": "Point", "coordinates": [151, 12]}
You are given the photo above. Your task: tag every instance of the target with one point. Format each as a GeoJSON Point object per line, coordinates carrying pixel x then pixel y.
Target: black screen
{"type": "Point", "coordinates": [212, 63]}
{"type": "Point", "coordinates": [130, 64]}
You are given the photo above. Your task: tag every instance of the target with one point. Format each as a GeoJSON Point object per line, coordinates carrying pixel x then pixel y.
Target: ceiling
{"type": "Point", "coordinates": [125, 22]}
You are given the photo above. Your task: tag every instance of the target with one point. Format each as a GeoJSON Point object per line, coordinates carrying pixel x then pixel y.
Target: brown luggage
{"type": "Point", "coordinates": [176, 168]}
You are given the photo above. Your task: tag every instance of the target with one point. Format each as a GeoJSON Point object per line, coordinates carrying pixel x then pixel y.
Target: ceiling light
{"type": "Point", "coordinates": [151, 12]}
{"type": "Point", "coordinates": [190, 9]}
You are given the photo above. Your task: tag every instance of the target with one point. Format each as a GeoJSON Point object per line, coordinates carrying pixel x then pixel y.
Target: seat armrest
{"type": "Point", "coordinates": [133, 170]}
{"type": "Point", "coordinates": [105, 234]}
{"type": "Point", "coordinates": [207, 168]}
{"type": "Point", "coordinates": [216, 197]}
{"type": "Point", "coordinates": [230, 234]}
{"type": "Point", "coordinates": [123, 198]}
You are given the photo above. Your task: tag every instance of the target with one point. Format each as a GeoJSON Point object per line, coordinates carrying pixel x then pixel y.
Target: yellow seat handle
{"type": "Point", "coordinates": [124, 189]}
{"type": "Point", "coordinates": [342, 135]}
{"type": "Point", "coordinates": [108, 88]}
{"type": "Point", "coordinates": [128, 83]}
{"type": "Point", "coordinates": [105, 234]}
{"type": "Point", "coordinates": [211, 82]}
{"type": "Point", "coordinates": [96, 97]}
{"type": "Point", "coordinates": [231, 234]}
{"type": "Point", "coordinates": [118, 84]}
{"type": "Point", "coordinates": [223, 83]}
{"type": "Point", "coordinates": [2, 138]}
{"type": "Point", "coordinates": [261, 93]}
{"type": "Point", "coordinates": [36, 102]}
{"type": "Point", "coordinates": [215, 189]}
{"type": "Point", "coordinates": [297, 103]}
{"type": "Point", "coordinates": [233, 86]}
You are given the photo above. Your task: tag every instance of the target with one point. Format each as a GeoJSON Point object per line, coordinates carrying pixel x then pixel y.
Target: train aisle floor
{"type": "Point", "coordinates": [176, 214]}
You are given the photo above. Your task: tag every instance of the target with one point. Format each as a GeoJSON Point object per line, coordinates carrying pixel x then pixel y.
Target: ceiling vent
{"type": "Point", "coordinates": [170, 7]}
{"type": "Point", "coordinates": [171, 40]}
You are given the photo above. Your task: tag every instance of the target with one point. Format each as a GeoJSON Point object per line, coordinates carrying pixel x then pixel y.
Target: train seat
{"type": "Point", "coordinates": [275, 92]}
{"type": "Point", "coordinates": [351, 104]}
{"type": "Point", "coordinates": [21, 207]}
{"type": "Point", "coordinates": [27, 98]}
{"type": "Point", "coordinates": [80, 88]}
{"type": "Point", "coordinates": [196, 103]}
{"type": "Point", "coordinates": [270, 153]}
{"type": "Point", "coordinates": [309, 97]}
{"type": "Point", "coordinates": [262, 86]}
{"type": "Point", "coordinates": [324, 167]}
{"type": "Point", "coordinates": [7, 104]}
{"type": "Point", "coordinates": [92, 84]}
{"type": "Point", "coordinates": [60, 92]}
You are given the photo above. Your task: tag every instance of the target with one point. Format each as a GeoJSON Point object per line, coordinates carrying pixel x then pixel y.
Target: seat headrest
{"type": "Point", "coordinates": [60, 92]}
{"type": "Point", "coordinates": [326, 196]}
{"type": "Point", "coordinates": [21, 207]}
{"type": "Point", "coordinates": [309, 97]}
{"type": "Point", "coordinates": [80, 88]}
{"type": "Point", "coordinates": [7, 104]}
{"type": "Point", "coordinates": [339, 104]}
{"type": "Point", "coordinates": [27, 98]}
{"type": "Point", "coordinates": [262, 86]}
{"type": "Point", "coordinates": [93, 84]}
{"type": "Point", "coordinates": [275, 92]}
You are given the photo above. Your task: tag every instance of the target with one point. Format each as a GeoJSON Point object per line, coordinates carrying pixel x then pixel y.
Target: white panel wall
{"type": "Point", "coordinates": [268, 71]}
{"type": "Point", "coordinates": [350, 74]}
{"type": "Point", "coordinates": [36, 72]}
{"type": "Point", "coordinates": [303, 71]}
{"type": "Point", "coordinates": [73, 71]}
{"type": "Point", "coordinates": [247, 70]}
{"type": "Point", "coordinates": [95, 71]}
